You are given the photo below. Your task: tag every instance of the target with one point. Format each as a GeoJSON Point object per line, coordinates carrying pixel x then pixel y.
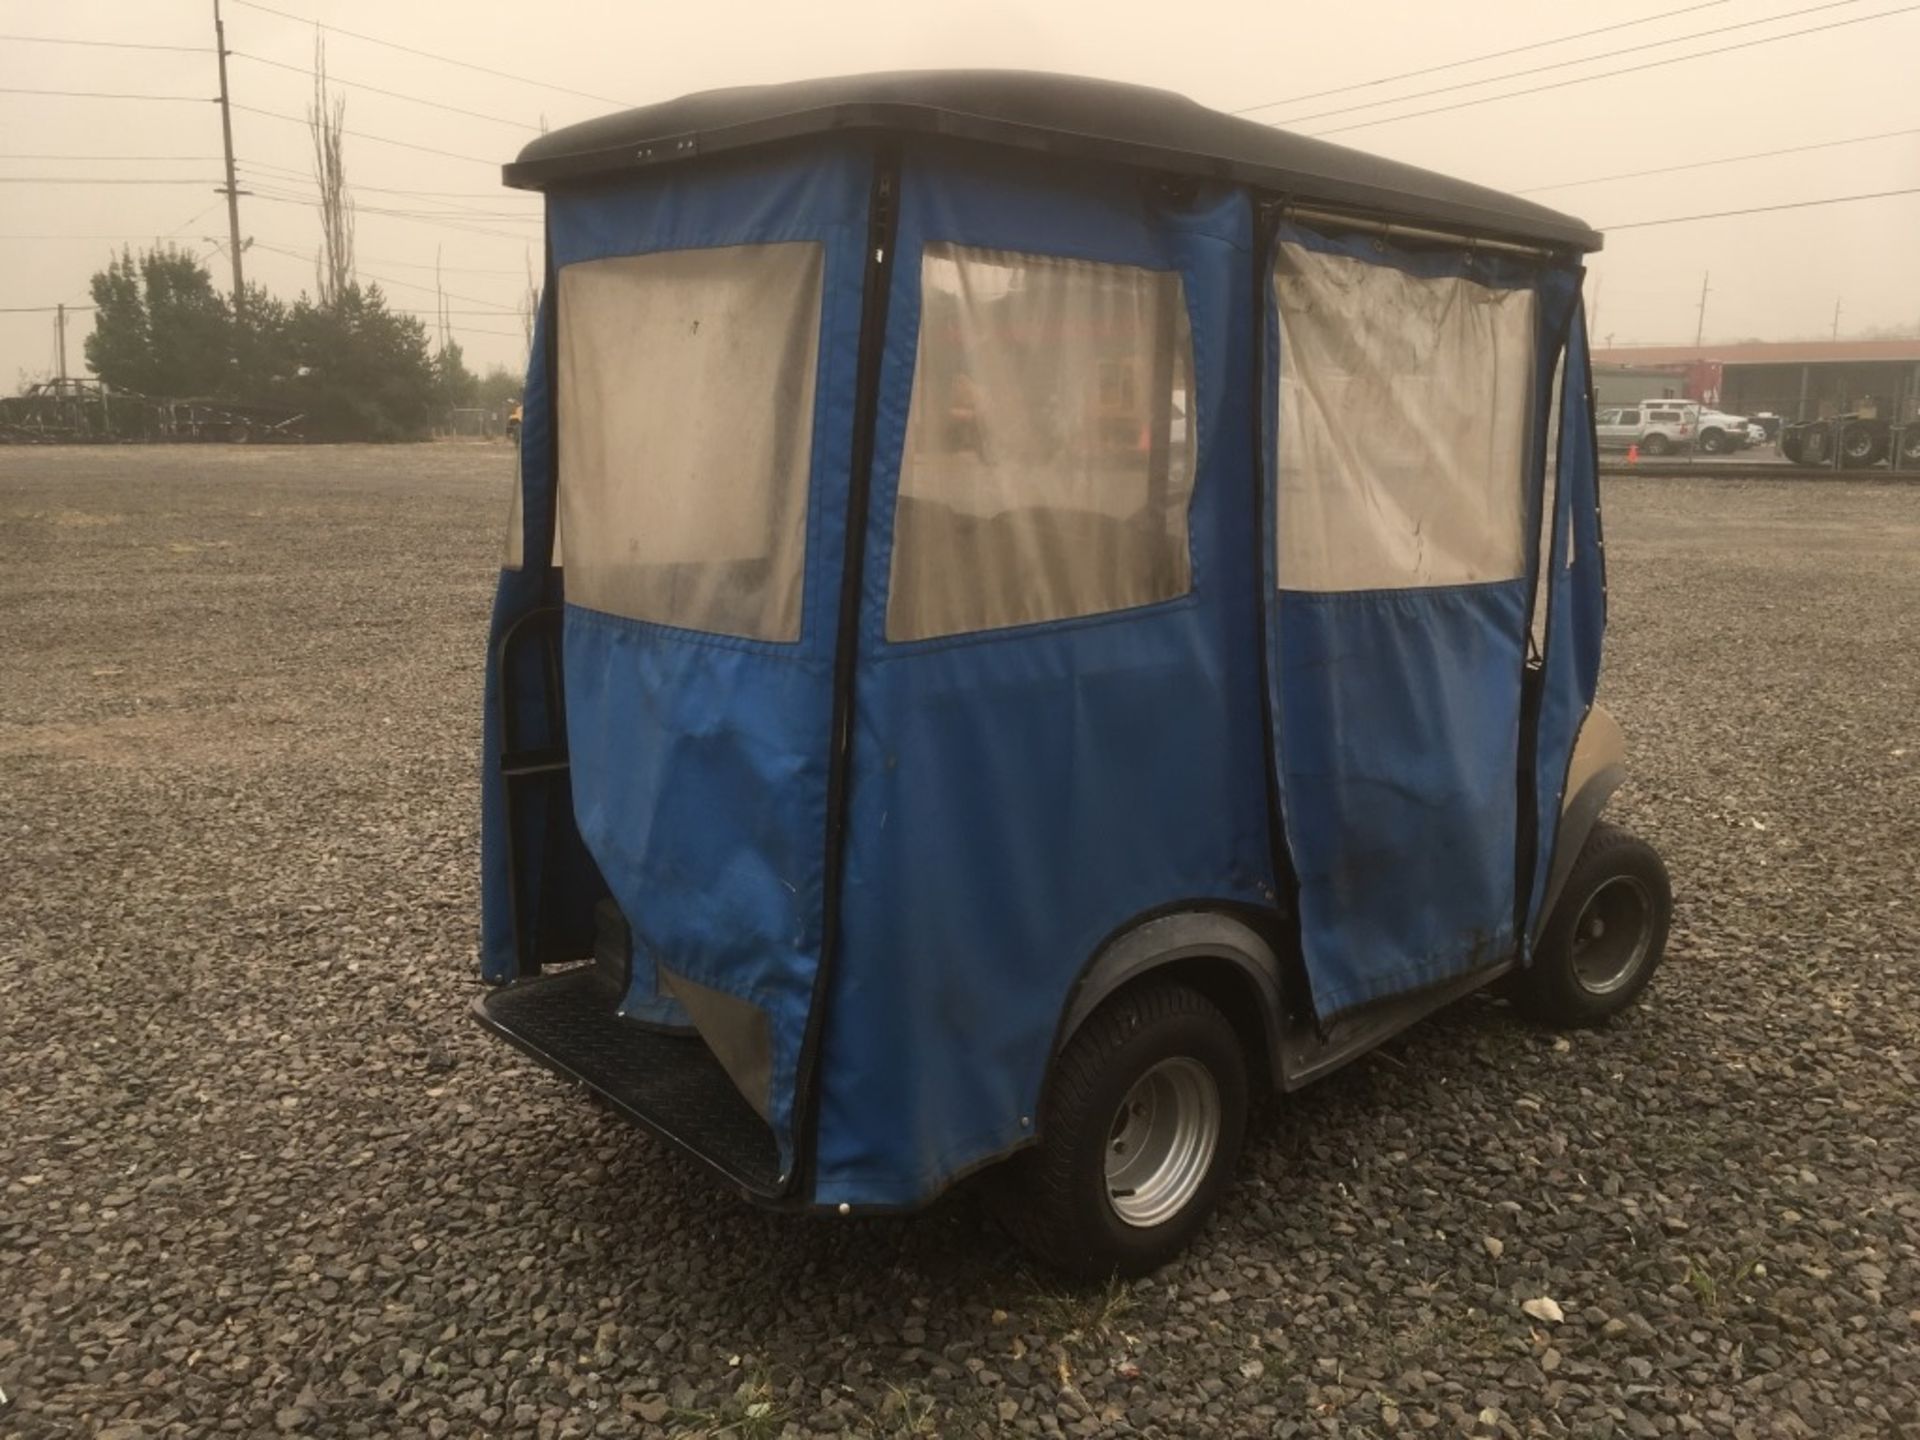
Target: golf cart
{"type": "Point", "coordinates": [1034, 614]}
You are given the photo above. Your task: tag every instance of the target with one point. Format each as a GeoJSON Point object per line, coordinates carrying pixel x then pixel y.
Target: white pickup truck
{"type": "Point", "coordinates": [1658, 427]}
{"type": "Point", "coordinates": [1714, 431]}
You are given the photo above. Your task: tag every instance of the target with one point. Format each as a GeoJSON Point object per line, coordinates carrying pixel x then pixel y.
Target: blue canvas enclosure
{"type": "Point", "coordinates": [1401, 597]}
{"type": "Point", "coordinates": [1575, 600]}
{"type": "Point", "coordinates": [935, 557]}
{"type": "Point", "coordinates": [1114, 756]}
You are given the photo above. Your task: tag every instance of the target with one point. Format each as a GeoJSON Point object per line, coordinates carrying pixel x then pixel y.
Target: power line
{"type": "Point", "coordinates": [195, 219]}
{"type": "Point", "coordinates": [98, 180]}
{"type": "Point", "coordinates": [130, 159]}
{"type": "Point", "coordinates": [1725, 160]}
{"type": "Point", "coordinates": [299, 187]}
{"type": "Point", "coordinates": [100, 95]}
{"type": "Point", "coordinates": [153, 236]}
{"type": "Point", "coordinates": [1714, 54]}
{"type": "Point", "coordinates": [363, 135]}
{"type": "Point", "coordinates": [107, 45]}
{"type": "Point", "coordinates": [450, 269]}
{"type": "Point", "coordinates": [286, 181]}
{"type": "Point", "coordinates": [431, 55]}
{"type": "Point", "coordinates": [494, 307]}
{"type": "Point", "coordinates": [1762, 209]}
{"type": "Point", "coordinates": [301, 175]}
{"type": "Point", "coordinates": [466, 218]}
{"type": "Point", "coordinates": [1476, 59]}
{"type": "Point", "coordinates": [1576, 60]}
{"type": "Point", "coordinates": [333, 79]}
{"type": "Point", "coordinates": [445, 222]}
{"type": "Point", "coordinates": [41, 309]}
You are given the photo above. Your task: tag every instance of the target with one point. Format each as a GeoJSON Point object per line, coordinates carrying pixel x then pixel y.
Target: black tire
{"type": "Point", "coordinates": [1657, 444]}
{"type": "Point", "coordinates": [1790, 445]}
{"type": "Point", "coordinates": [1605, 937]}
{"type": "Point", "coordinates": [1054, 1199]}
{"type": "Point", "coordinates": [1860, 446]}
{"type": "Point", "coordinates": [1715, 442]}
{"type": "Point", "coordinates": [1910, 445]}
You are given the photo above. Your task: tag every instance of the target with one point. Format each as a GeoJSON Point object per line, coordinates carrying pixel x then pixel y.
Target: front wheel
{"type": "Point", "coordinates": [1141, 1128]}
{"type": "Point", "coordinates": [1715, 442]}
{"type": "Point", "coordinates": [1605, 937]}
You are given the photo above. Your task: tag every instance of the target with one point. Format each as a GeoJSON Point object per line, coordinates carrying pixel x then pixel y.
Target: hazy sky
{"type": "Point", "coordinates": [1774, 276]}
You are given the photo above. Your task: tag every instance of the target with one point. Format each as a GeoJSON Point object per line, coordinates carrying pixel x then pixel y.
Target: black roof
{"type": "Point", "coordinates": [1062, 115]}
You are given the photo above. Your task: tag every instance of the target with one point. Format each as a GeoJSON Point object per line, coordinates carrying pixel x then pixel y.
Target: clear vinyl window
{"type": "Point", "coordinates": [516, 556]}
{"type": "Point", "coordinates": [1050, 443]}
{"type": "Point", "coordinates": [686, 425]}
{"type": "Point", "coordinates": [1549, 502]}
{"type": "Point", "coordinates": [1404, 406]}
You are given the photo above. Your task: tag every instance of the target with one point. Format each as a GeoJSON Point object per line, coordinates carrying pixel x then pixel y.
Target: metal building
{"type": "Point", "coordinates": [1798, 379]}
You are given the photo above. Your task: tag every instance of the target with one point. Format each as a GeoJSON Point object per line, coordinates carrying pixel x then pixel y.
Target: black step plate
{"type": "Point", "coordinates": [670, 1084]}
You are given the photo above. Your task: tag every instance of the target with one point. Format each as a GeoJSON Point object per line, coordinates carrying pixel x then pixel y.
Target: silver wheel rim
{"type": "Point", "coordinates": [1612, 935]}
{"type": "Point", "coordinates": [1162, 1141]}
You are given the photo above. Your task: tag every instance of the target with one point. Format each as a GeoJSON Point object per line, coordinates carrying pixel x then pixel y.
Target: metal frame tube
{"type": "Point", "coordinates": [1397, 230]}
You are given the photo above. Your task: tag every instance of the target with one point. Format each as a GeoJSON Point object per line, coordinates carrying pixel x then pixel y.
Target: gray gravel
{"type": "Point", "coordinates": [262, 1175]}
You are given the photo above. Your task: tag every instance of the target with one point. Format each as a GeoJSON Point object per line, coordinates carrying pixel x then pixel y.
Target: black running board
{"type": "Point", "coordinates": [664, 1082]}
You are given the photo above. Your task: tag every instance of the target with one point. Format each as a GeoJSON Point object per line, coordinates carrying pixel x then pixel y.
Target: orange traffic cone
{"type": "Point", "coordinates": [1633, 454]}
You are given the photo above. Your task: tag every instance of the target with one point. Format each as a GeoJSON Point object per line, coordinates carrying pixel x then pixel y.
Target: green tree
{"type": "Point", "coordinates": [352, 368]}
{"type": "Point", "coordinates": [118, 349]}
{"type": "Point", "coordinates": [361, 371]}
{"type": "Point", "coordinates": [161, 328]}
{"type": "Point", "coordinates": [263, 350]}
{"type": "Point", "coordinates": [499, 388]}
{"type": "Point", "coordinates": [189, 327]}
{"type": "Point", "coordinates": [454, 384]}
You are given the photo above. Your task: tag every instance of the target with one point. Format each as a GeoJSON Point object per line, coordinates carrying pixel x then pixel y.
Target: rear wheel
{"type": "Point", "coordinates": [1657, 444]}
{"type": "Point", "coordinates": [1606, 936]}
{"type": "Point", "coordinates": [1141, 1127]}
{"type": "Point", "coordinates": [1860, 446]}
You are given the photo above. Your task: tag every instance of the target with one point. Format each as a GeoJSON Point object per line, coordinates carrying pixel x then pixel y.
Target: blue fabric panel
{"type": "Point", "coordinates": [519, 591]}
{"type": "Point", "coordinates": [1399, 712]}
{"type": "Point", "coordinates": [1019, 794]}
{"type": "Point", "coordinates": [541, 841]}
{"type": "Point", "coordinates": [700, 761]}
{"type": "Point", "coordinates": [1397, 725]}
{"type": "Point", "coordinates": [1576, 609]}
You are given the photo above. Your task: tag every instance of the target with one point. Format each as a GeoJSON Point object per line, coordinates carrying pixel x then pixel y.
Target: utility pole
{"type": "Point", "coordinates": [1700, 329]}
{"type": "Point", "coordinates": [1593, 314]}
{"type": "Point", "coordinates": [1836, 319]}
{"type": "Point", "coordinates": [232, 188]}
{"type": "Point", "coordinates": [60, 337]}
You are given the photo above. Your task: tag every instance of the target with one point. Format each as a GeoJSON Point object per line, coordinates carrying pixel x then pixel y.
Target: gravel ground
{"type": "Point", "coordinates": [259, 1173]}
